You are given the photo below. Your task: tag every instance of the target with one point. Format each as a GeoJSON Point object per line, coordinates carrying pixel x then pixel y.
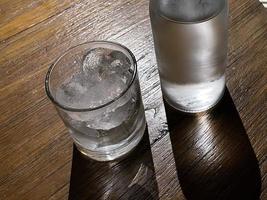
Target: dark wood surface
{"type": "Point", "coordinates": [220, 154]}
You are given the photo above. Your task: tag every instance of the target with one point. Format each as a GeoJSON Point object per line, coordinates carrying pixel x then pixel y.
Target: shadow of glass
{"type": "Point", "coordinates": [131, 178]}
{"type": "Point", "coordinates": [213, 156]}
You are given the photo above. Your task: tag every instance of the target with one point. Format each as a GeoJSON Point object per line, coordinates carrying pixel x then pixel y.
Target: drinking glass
{"type": "Point", "coordinates": [95, 89]}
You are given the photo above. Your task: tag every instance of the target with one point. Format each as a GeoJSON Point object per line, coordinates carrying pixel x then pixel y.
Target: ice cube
{"type": "Point", "coordinates": [70, 92]}
{"type": "Point", "coordinates": [95, 58]}
{"type": "Point", "coordinates": [104, 76]}
{"type": "Point", "coordinates": [113, 116]}
{"type": "Point", "coordinates": [120, 60]}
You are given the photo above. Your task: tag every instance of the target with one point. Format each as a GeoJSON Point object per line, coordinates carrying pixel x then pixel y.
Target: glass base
{"type": "Point", "coordinates": [195, 97]}
{"type": "Point", "coordinates": [199, 109]}
{"type": "Point", "coordinates": [203, 109]}
{"type": "Point", "coordinates": [118, 153]}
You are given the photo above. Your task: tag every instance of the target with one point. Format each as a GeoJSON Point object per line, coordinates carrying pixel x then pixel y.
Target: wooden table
{"type": "Point", "coordinates": [213, 155]}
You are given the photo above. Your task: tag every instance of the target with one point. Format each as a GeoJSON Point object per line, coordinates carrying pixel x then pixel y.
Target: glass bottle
{"type": "Point", "coordinates": [190, 40]}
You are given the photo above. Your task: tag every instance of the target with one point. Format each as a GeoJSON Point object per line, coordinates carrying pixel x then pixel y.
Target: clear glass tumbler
{"type": "Point", "coordinates": [95, 89]}
{"type": "Point", "coordinates": [190, 39]}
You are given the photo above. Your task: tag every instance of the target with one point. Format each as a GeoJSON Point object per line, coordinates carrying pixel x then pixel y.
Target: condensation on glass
{"type": "Point", "coordinates": [96, 91]}
{"type": "Point", "coordinates": [190, 39]}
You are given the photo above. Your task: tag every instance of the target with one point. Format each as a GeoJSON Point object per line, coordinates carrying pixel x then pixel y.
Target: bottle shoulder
{"type": "Point", "coordinates": [187, 11]}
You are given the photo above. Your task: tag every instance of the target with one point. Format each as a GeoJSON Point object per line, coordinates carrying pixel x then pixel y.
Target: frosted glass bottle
{"type": "Point", "coordinates": [190, 39]}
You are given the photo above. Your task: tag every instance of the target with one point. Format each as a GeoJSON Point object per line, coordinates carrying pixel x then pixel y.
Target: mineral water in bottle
{"type": "Point", "coordinates": [190, 39]}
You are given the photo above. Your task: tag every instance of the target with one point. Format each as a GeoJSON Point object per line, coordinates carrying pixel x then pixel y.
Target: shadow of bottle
{"type": "Point", "coordinates": [213, 156]}
{"type": "Point", "coordinates": [131, 178]}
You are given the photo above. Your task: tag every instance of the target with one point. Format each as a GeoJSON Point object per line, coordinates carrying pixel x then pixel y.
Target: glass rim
{"type": "Point", "coordinates": [47, 78]}
{"type": "Point", "coordinates": [215, 14]}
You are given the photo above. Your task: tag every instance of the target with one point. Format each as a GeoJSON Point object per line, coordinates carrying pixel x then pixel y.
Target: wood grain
{"type": "Point", "coordinates": [36, 151]}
